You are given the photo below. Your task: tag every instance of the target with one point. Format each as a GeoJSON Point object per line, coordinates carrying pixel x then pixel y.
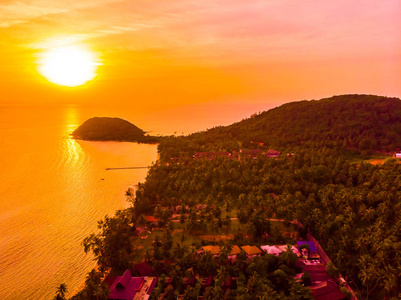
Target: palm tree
{"type": "Point", "coordinates": [226, 248]}
{"type": "Point", "coordinates": [368, 274]}
{"type": "Point", "coordinates": [242, 217]}
{"type": "Point", "coordinates": [102, 292]}
{"type": "Point", "coordinates": [179, 251]}
{"type": "Point", "coordinates": [221, 275]}
{"type": "Point", "coordinates": [289, 257]}
{"type": "Point", "coordinates": [60, 292]}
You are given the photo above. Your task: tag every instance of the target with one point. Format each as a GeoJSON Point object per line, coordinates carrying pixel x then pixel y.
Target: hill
{"type": "Point", "coordinates": [111, 129]}
{"type": "Point", "coordinates": [352, 209]}
{"type": "Point", "coordinates": [358, 122]}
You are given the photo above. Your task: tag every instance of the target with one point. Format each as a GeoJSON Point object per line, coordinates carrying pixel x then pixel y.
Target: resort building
{"type": "Point", "coordinates": [251, 251]}
{"type": "Point", "coordinates": [126, 287]}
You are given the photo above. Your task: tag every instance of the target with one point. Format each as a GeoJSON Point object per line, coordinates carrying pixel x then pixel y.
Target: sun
{"type": "Point", "coordinates": [70, 66]}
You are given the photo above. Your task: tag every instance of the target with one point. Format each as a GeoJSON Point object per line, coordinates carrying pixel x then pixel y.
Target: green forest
{"type": "Point", "coordinates": [352, 207]}
{"type": "Point", "coordinates": [357, 122]}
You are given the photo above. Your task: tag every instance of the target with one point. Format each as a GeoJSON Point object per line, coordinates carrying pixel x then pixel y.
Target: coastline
{"type": "Point", "coordinates": [113, 140]}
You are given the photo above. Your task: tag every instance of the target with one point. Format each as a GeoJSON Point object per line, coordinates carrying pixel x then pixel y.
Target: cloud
{"type": "Point", "coordinates": [221, 30]}
{"type": "Point", "coordinates": [20, 12]}
{"type": "Point", "coordinates": [222, 33]}
{"type": "Point", "coordinates": [17, 12]}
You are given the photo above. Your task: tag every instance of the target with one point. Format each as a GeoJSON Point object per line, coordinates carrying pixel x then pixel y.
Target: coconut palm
{"type": "Point", "coordinates": [179, 251]}
{"type": "Point", "coordinates": [60, 292]}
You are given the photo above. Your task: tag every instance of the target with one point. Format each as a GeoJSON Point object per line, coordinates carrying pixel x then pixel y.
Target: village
{"type": "Point", "coordinates": [216, 229]}
{"type": "Point", "coordinates": [313, 267]}
{"type": "Point", "coordinates": [235, 155]}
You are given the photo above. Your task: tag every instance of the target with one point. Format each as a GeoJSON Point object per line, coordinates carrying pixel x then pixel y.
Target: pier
{"type": "Point", "coordinates": [126, 168]}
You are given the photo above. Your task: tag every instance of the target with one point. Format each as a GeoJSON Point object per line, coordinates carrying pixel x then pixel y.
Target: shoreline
{"type": "Point", "coordinates": [112, 140]}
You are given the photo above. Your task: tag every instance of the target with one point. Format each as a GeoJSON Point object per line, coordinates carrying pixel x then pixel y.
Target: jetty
{"type": "Point", "coordinates": [126, 168]}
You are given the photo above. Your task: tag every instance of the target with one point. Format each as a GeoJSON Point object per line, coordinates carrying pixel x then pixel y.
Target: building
{"type": "Point", "coordinates": [214, 250]}
{"type": "Point", "coordinates": [276, 250]}
{"type": "Point", "coordinates": [251, 251]}
{"type": "Point", "coordinates": [232, 256]}
{"type": "Point", "coordinates": [254, 153]}
{"type": "Point", "coordinates": [126, 287]}
{"type": "Point", "coordinates": [151, 220]}
{"type": "Point", "coordinates": [273, 153]}
{"type": "Point", "coordinates": [211, 155]}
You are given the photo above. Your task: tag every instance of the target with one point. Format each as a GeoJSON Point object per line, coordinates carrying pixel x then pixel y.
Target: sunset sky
{"type": "Point", "coordinates": [175, 52]}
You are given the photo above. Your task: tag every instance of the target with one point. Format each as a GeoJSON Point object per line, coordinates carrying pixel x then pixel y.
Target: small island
{"type": "Point", "coordinates": [111, 129]}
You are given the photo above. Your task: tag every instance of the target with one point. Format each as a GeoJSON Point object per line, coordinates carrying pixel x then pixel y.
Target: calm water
{"type": "Point", "coordinates": [53, 189]}
{"type": "Point", "coordinates": [51, 197]}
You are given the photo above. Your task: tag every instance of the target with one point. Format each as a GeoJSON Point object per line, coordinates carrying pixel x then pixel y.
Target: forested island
{"type": "Point", "coordinates": [277, 178]}
{"type": "Point", "coordinates": [111, 129]}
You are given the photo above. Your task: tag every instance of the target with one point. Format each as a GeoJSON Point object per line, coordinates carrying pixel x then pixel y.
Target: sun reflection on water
{"type": "Point", "coordinates": [74, 151]}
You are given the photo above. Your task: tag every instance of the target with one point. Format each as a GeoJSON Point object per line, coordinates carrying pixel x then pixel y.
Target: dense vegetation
{"type": "Point", "coordinates": [353, 209]}
{"type": "Point", "coordinates": [364, 122]}
{"type": "Point", "coordinates": [111, 129]}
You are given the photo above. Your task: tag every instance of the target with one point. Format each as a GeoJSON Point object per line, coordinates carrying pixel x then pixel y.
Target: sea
{"type": "Point", "coordinates": [54, 189]}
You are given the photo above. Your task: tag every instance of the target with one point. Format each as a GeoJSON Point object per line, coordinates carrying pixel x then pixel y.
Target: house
{"type": "Point", "coordinates": [126, 287]}
{"type": "Point", "coordinates": [312, 250]}
{"type": "Point", "coordinates": [273, 153]}
{"type": "Point", "coordinates": [211, 155]}
{"type": "Point", "coordinates": [293, 249]}
{"type": "Point", "coordinates": [214, 250]}
{"type": "Point", "coordinates": [258, 143]}
{"type": "Point", "coordinates": [251, 251]}
{"type": "Point", "coordinates": [151, 220]}
{"type": "Point", "coordinates": [232, 256]}
{"type": "Point", "coordinates": [276, 250]}
{"type": "Point", "coordinates": [252, 153]}
{"type": "Point", "coordinates": [311, 245]}
{"type": "Point", "coordinates": [235, 250]}
{"type": "Point", "coordinates": [271, 250]}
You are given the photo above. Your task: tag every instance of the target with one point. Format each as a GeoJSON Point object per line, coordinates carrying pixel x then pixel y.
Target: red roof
{"type": "Point", "coordinates": [271, 151]}
{"type": "Point", "coordinates": [124, 281]}
{"type": "Point", "coordinates": [151, 219]}
{"type": "Point", "coordinates": [125, 287]}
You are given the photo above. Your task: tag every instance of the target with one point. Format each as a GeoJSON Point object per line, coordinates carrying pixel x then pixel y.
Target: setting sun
{"type": "Point", "coordinates": [68, 65]}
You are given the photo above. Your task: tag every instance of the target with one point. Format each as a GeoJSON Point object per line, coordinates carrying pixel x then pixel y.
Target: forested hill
{"type": "Point", "coordinates": [111, 129]}
{"type": "Point", "coordinates": [362, 122]}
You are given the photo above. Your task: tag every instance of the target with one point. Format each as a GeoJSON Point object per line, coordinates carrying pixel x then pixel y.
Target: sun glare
{"type": "Point", "coordinates": [70, 66]}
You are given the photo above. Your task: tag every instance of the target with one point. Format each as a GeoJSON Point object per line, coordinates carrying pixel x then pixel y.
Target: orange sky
{"type": "Point", "coordinates": [176, 52]}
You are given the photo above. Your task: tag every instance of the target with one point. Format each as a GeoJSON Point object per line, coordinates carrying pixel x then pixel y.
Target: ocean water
{"type": "Point", "coordinates": [53, 190]}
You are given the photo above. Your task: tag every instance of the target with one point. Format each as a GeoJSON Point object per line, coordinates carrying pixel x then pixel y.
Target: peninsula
{"type": "Point", "coordinates": [227, 213]}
